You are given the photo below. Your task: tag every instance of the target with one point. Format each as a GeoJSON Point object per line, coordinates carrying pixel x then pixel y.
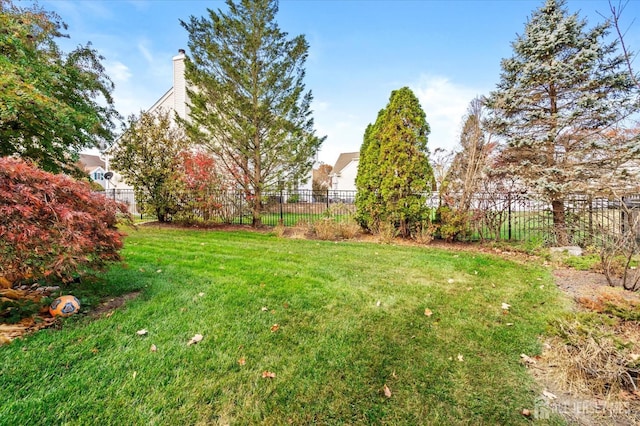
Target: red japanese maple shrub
{"type": "Point", "coordinates": [52, 226]}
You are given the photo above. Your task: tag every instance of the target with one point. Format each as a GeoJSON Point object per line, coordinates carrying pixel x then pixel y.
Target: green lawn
{"type": "Point", "coordinates": [351, 320]}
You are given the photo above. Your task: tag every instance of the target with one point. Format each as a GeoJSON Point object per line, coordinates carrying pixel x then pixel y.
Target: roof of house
{"type": "Point", "coordinates": [91, 162]}
{"type": "Point", "coordinates": [344, 159]}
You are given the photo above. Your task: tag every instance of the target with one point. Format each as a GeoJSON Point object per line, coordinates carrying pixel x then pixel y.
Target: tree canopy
{"type": "Point", "coordinates": [148, 155]}
{"type": "Point", "coordinates": [52, 104]}
{"type": "Point", "coordinates": [394, 173]}
{"type": "Point", "coordinates": [561, 97]}
{"type": "Point", "coordinates": [248, 103]}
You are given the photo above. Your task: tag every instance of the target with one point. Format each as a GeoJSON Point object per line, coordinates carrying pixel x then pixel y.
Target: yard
{"type": "Point", "coordinates": [293, 332]}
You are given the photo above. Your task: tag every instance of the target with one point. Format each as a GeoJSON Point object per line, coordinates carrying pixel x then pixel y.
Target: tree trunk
{"type": "Point", "coordinates": [256, 209]}
{"type": "Point", "coordinates": [559, 222]}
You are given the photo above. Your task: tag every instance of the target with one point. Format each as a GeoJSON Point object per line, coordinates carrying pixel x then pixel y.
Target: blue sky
{"type": "Point", "coordinates": [447, 52]}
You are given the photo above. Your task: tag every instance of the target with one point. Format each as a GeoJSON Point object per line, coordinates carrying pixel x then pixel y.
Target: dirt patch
{"type": "Point", "coordinates": [106, 308]}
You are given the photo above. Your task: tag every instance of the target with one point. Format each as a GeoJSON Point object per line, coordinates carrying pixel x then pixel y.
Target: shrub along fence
{"type": "Point", "coordinates": [492, 216]}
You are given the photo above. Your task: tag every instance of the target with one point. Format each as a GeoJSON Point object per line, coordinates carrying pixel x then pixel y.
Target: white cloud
{"type": "Point", "coordinates": [445, 103]}
{"type": "Point", "coordinates": [145, 52]}
{"type": "Point", "coordinates": [118, 71]}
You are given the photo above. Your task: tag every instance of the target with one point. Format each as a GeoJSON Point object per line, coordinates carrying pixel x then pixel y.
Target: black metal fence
{"type": "Point", "coordinates": [492, 216]}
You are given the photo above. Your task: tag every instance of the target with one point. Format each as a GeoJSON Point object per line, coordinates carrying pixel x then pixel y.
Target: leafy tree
{"type": "Point", "coordinates": [52, 225]}
{"type": "Point", "coordinates": [148, 157]}
{"type": "Point", "coordinates": [394, 173]}
{"type": "Point", "coordinates": [559, 94]}
{"type": "Point", "coordinates": [469, 163]}
{"type": "Point", "coordinates": [247, 99]}
{"type": "Point", "coordinates": [52, 104]}
{"type": "Point", "coordinates": [200, 186]}
{"type": "Point", "coordinates": [321, 182]}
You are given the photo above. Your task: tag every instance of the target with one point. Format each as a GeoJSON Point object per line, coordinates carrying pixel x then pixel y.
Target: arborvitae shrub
{"type": "Point", "coordinates": [52, 226]}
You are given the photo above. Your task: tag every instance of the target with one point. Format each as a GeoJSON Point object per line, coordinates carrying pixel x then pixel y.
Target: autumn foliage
{"type": "Point", "coordinates": [52, 226]}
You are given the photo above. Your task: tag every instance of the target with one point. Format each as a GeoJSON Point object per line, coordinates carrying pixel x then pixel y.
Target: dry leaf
{"type": "Point", "coordinates": [387, 391]}
{"type": "Point", "coordinates": [634, 357]}
{"type": "Point", "coordinates": [153, 348]}
{"type": "Point", "coordinates": [108, 314]}
{"type": "Point", "coordinates": [525, 412]}
{"type": "Point", "coordinates": [159, 270]}
{"type": "Point", "coordinates": [200, 294]}
{"type": "Point", "coordinates": [141, 332]}
{"type": "Point", "coordinates": [509, 324]}
{"type": "Point", "coordinates": [274, 328]}
{"type": "Point", "coordinates": [264, 309]}
{"type": "Point", "coordinates": [460, 357]}
{"type": "Point", "coordinates": [94, 350]}
{"type": "Point", "coordinates": [505, 306]}
{"type": "Point", "coordinates": [527, 359]}
{"type": "Point", "coordinates": [378, 303]}
{"type": "Point", "coordinates": [195, 339]}
{"type": "Point", "coordinates": [428, 312]}
{"type": "Point", "coordinates": [268, 375]}
{"type": "Point", "coordinates": [242, 361]}
{"type": "Point", "coordinates": [135, 373]}
{"type": "Point", "coordinates": [548, 394]}
{"type": "Point", "coordinates": [450, 281]}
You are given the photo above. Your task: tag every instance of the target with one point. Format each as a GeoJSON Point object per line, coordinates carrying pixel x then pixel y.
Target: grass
{"type": "Point", "coordinates": [351, 320]}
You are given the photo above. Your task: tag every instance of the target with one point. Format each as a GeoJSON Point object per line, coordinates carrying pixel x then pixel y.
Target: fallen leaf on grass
{"type": "Point", "coordinates": [387, 391]}
{"type": "Point", "coordinates": [195, 339]}
{"type": "Point", "coordinates": [275, 327]}
{"type": "Point", "coordinates": [242, 361]}
{"type": "Point", "coordinates": [200, 294]}
{"type": "Point", "coordinates": [94, 350]}
{"type": "Point", "coordinates": [135, 373]}
{"type": "Point", "coordinates": [108, 314]}
{"type": "Point", "coordinates": [505, 306]}
{"type": "Point", "coordinates": [264, 309]}
{"type": "Point", "coordinates": [427, 312]}
{"type": "Point", "coordinates": [159, 270]}
{"type": "Point", "coordinates": [548, 394]}
{"type": "Point", "coordinates": [450, 280]}
{"type": "Point", "coordinates": [268, 375]}
{"type": "Point", "coordinates": [141, 332]}
{"type": "Point", "coordinates": [527, 359]}
{"type": "Point", "coordinates": [153, 348]}
{"type": "Point", "coordinates": [526, 412]}
{"type": "Point", "coordinates": [460, 357]}
{"type": "Point", "coordinates": [378, 303]}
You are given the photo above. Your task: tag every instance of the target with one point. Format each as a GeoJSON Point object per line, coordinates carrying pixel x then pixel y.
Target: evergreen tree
{"type": "Point", "coordinates": [248, 103]}
{"type": "Point", "coordinates": [395, 174]}
{"type": "Point", "coordinates": [559, 97]}
{"type": "Point", "coordinates": [368, 180]}
{"type": "Point", "coordinates": [52, 104]}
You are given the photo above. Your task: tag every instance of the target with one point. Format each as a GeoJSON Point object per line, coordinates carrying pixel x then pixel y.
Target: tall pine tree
{"type": "Point", "coordinates": [394, 174]}
{"type": "Point", "coordinates": [248, 103]}
{"type": "Point", "coordinates": [559, 97]}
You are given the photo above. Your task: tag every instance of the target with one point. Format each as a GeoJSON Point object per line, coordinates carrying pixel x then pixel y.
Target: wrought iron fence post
{"type": "Point", "coordinates": [509, 215]}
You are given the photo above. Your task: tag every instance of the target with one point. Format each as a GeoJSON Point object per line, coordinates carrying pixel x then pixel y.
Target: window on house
{"type": "Point", "coordinates": [98, 176]}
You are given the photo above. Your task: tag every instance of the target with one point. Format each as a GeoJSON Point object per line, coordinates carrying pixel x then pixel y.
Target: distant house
{"type": "Point", "coordinates": [343, 176]}
{"type": "Point", "coordinates": [95, 167]}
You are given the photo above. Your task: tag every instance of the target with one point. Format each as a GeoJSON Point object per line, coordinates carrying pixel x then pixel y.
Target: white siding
{"type": "Point", "coordinates": [345, 180]}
